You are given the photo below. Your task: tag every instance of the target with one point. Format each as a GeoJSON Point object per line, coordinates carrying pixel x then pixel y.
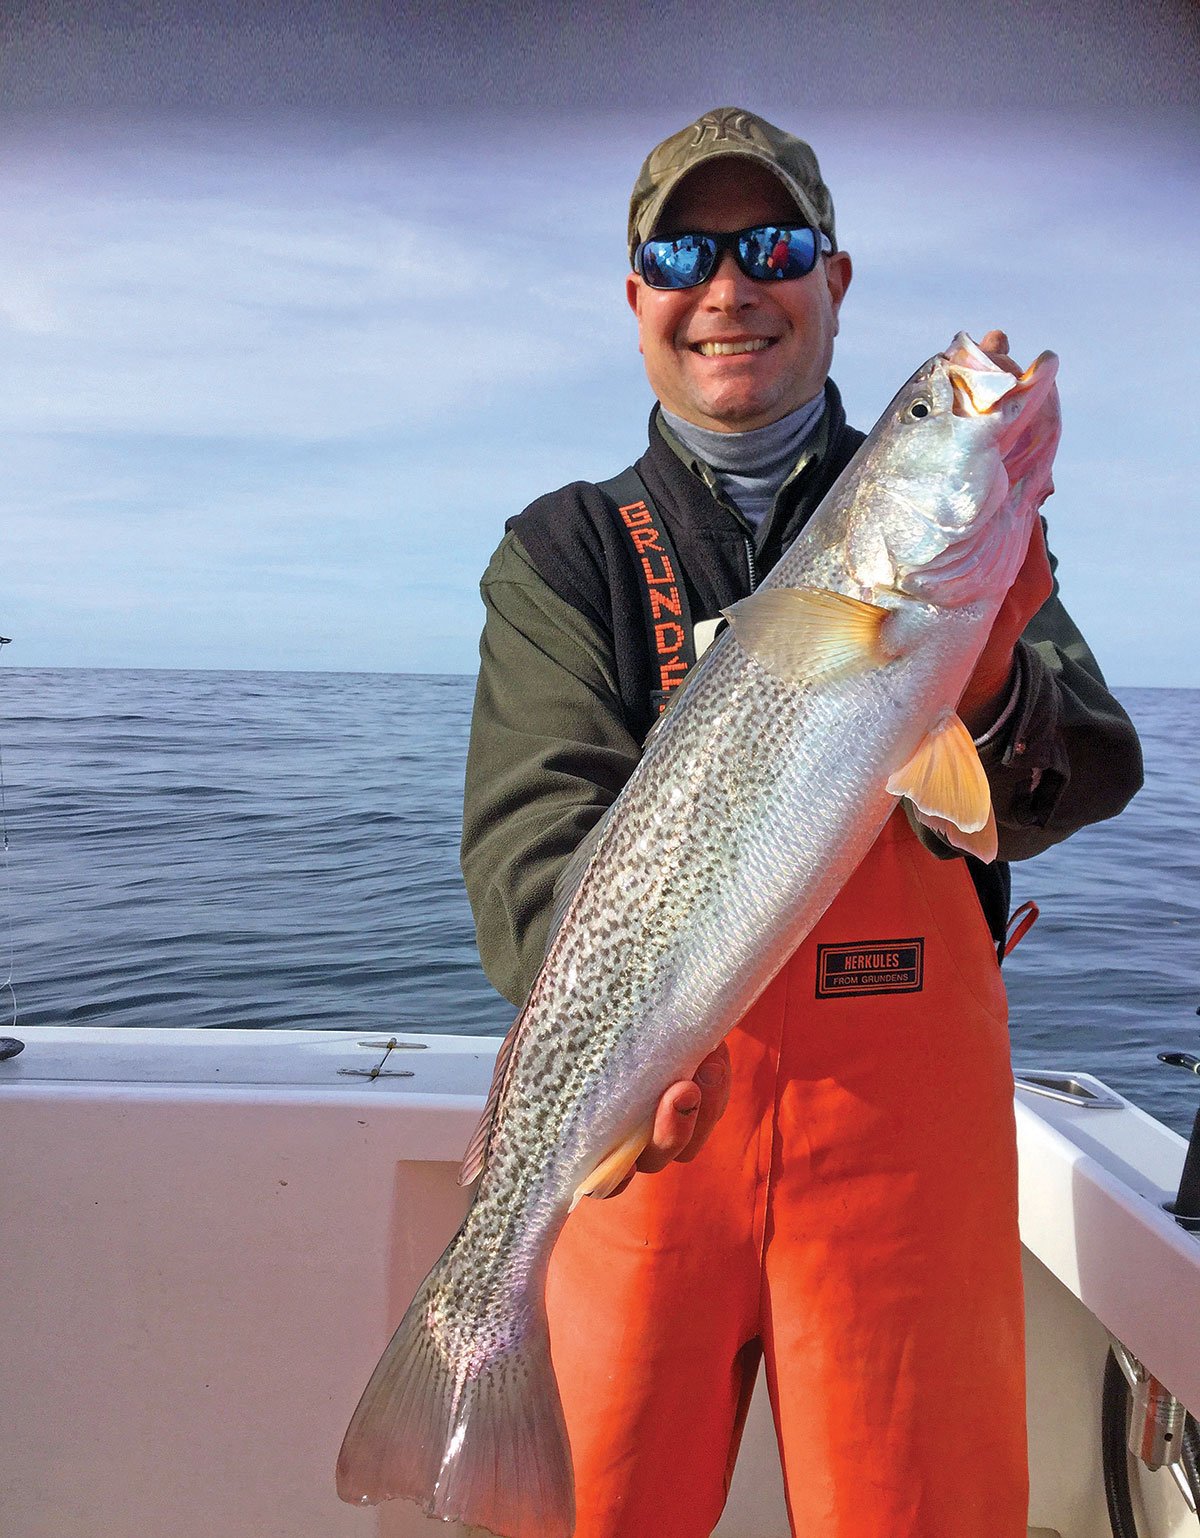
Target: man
{"type": "Point", "coordinates": [853, 1219]}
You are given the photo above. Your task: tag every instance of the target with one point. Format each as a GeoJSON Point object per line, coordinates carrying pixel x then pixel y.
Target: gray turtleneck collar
{"type": "Point", "coordinates": [751, 467]}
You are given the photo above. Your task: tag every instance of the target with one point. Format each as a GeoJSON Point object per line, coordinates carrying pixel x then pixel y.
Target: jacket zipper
{"type": "Point", "coordinates": [751, 568]}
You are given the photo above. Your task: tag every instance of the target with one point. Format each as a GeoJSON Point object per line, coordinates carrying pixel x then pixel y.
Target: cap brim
{"type": "Point", "coordinates": [652, 210]}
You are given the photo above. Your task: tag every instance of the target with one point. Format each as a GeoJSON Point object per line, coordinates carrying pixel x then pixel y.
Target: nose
{"type": "Point", "coordinates": [729, 288]}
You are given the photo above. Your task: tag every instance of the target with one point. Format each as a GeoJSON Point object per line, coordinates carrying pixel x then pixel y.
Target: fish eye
{"type": "Point", "coordinates": [919, 408]}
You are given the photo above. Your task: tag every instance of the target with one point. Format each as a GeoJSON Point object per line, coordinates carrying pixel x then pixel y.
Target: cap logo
{"type": "Point", "coordinates": [725, 124]}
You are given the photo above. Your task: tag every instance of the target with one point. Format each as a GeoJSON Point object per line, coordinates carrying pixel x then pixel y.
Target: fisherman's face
{"type": "Point", "coordinates": [798, 318]}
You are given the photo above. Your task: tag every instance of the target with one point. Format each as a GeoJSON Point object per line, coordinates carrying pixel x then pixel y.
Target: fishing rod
{"type": "Point", "coordinates": [9, 1045]}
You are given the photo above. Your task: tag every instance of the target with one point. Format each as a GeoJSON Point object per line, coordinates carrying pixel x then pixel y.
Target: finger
{"type": "Point", "coordinates": [687, 1114]}
{"type": "Point", "coordinates": [674, 1123]}
{"type": "Point", "coordinates": [995, 344]}
{"type": "Point", "coordinates": [714, 1076]}
{"type": "Point", "coordinates": [1036, 555]}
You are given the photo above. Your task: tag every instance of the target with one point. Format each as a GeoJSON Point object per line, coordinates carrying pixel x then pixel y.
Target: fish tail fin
{"type": "Point", "coordinates": [473, 1432]}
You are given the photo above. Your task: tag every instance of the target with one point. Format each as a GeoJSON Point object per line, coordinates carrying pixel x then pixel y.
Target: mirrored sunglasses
{"type": "Point", "coordinates": [764, 252]}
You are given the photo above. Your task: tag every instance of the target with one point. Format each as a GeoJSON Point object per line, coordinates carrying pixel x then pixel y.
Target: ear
{"type": "Point", "coordinates": [838, 272]}
{"type": "Point", "coordinates": [633, 296]}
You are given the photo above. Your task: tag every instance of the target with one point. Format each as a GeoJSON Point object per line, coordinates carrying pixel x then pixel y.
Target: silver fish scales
{"type": "Point", "coordinates": [758, 794]}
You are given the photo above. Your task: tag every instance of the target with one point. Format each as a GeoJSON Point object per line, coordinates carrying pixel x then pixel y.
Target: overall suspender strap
{"type": "Point", "coordinates": [667, 617]}
{"type": "Point", "coordinates": [1019, 925]}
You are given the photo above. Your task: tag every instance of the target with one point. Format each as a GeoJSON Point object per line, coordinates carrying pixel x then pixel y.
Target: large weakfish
{"type": "Point", "coordinates": [832, 694]}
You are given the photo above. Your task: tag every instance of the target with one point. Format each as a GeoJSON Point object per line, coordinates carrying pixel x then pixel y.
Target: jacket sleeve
{"type": "Point", "coordinates": [549, 753]}
{"type": "Point", "coordinates": [1069, 755]}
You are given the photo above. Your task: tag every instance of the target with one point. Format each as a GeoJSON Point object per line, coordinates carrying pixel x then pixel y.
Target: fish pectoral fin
{"type": "Point", "coordinates": [612, 1169]}
{"type": "Point", "coordinates": [803, 634]}
{"type": "Point", "coordinates": [947, 786]}
{"type": "Point", "coordinates": [983, 844]}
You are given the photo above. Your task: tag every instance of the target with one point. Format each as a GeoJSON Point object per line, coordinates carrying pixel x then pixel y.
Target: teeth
{"type": "Point", "coordinates": [725, 349]}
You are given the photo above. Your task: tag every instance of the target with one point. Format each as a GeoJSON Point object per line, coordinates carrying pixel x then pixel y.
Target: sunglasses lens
{"type": "Point", "coordinates": [680, 263]}
{"type": "Point", "coordinates": [766, 252]}
{"type": "Point", "coordinates": [772, 251]}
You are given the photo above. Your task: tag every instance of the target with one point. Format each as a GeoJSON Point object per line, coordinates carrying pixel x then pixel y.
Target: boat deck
{"type": "Point", "coordinates": [211, 1234]}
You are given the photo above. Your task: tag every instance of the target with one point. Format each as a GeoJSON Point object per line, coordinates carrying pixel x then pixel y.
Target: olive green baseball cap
{"type": "Point", "coordinates": [728, 131]}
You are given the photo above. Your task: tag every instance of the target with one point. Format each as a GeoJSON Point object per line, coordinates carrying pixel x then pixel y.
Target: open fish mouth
{"type": "Point", "coordinates": [981, 385]}
{"type": "Point", "coordinates": [977, 394]}
{"type": "Point", "coordinates": [1026, 405]}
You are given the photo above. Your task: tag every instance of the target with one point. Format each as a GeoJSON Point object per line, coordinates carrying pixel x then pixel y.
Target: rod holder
{"type": "Point", "coordinates": [1186, 1206]}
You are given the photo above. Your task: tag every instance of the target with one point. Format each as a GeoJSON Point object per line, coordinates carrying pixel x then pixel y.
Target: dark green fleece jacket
{"type": "Point", "coordinates": [563, 704]}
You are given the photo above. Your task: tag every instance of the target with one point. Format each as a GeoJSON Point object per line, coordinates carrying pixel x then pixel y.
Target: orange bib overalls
{"type": "Point", "coordinates": [852, 1219]}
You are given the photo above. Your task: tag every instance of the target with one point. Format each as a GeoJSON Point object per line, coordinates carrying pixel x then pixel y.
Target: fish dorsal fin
{"type": "Point", "coordinates": [612, 1169]}
{"type": "Point", "coordinates": [948, 788]}
{"type": "Point", "coordinates": [572, 874]}
{"type": "Point", "coordinates": [476, 1153]}
{"type": "Point", "coordinates": [803, 634]}
{"type": "Point", "coordinates": [564, 891]}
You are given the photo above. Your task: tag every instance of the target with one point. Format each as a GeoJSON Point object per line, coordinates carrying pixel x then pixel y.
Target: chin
{"type": "Point", "coordinates": [742, 416]}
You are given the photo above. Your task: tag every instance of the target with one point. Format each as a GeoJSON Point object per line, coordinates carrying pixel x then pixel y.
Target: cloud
{"type": "Point", "coordinates": [285, 306]}
{"type": "Point", "coordinates": [269, 391]}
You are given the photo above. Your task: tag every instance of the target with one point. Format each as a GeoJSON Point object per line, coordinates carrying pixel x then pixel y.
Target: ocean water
{"type": "Point", "coordinates": [281, 850]}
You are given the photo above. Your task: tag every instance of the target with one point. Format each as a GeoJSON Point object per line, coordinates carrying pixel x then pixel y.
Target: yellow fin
{"type": "Point", "coordinates": [610, 1172]}
{"type": "Point", "coordinates": [984, 845]}
{"type": "Point", "coordinates": [947, 785]}
{"type": "Point", "coordinates": [804, 634]}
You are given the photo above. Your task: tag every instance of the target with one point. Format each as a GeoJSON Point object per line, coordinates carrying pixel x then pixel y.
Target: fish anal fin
{"type": "Point", "coordinates": [948, 787]}
{"type": "Point", "coordinates": [614, 1167]}
{"type": "Point", "coordinates": [801, 635]}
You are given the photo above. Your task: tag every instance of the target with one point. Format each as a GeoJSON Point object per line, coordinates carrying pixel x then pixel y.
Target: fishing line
{"type": "Point", "coordinates": [8, 902]}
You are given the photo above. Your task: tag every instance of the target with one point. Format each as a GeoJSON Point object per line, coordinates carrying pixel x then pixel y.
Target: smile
{"type": "Point", "coordinates": [727, 349]}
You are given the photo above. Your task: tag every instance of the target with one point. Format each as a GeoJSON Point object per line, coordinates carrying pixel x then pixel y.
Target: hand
{"type": "Point", "coordinates": [995, 344]}
{"type": "Point", "coordinates": [983, 698]}
{"type": "Point", "coordinates": [686, 1114]}
{"type": "Point", "coordinates": [987, 689]}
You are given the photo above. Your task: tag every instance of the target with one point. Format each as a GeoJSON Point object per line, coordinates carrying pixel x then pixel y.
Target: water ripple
{"type": "Point", "coordinates": [281, 849]}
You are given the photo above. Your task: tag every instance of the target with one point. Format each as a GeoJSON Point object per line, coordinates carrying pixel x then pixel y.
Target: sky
{"type": "Point", "coordinates": [299, 303]}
